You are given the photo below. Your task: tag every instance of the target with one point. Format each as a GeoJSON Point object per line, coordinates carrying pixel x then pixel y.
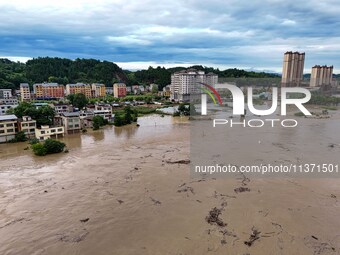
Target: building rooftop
{"type": "Point", "coordinates": [8, 117]}
{"type": "Point", "coordinates": [70, 114]}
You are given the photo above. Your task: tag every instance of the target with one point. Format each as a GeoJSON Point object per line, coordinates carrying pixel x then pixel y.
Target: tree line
{"type": "Point", "coordinates": [63, 71]}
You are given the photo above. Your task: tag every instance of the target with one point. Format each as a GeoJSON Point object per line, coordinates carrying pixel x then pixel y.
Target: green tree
{"type": "Point", "coordinates": [118, 120]}
{"type": "Point", "coordinates": [98, 121]}
{"type": "Point", "coordinates": [128, 115]}
{"type": "Point", "coordinates": [53, 146]}
{"type": "Point", "coordinates": [79, 101]}
{"type": "Point", "coordinates": [39, 149]}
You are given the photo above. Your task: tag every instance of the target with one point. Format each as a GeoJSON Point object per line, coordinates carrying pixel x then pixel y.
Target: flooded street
{"type": "Point", "coordinates": [128, 190]}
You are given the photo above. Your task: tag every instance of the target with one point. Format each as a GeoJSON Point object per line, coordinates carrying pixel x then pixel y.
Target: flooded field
{"type": "Point", "coordinates": [128, 190]}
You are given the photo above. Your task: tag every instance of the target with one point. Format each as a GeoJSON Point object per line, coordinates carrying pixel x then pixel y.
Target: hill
{"type": "Point", "coordinates": [63, 71]}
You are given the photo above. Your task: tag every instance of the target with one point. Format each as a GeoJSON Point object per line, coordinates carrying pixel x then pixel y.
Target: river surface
{"type": "Point", "coordinates": [119, 191]}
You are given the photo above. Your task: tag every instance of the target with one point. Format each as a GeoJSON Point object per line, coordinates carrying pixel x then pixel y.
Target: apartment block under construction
{"type": "Point", "coordinates": [321, 76]}
{"type": "Point", "coordinates": [293, 65]}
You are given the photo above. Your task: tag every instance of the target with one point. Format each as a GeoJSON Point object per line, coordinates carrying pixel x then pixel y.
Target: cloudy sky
{"type": "Point", "coordinates": [138, 33]}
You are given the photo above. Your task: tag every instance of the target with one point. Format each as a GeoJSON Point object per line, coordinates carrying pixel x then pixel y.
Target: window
{"type": "Point", "coordinates": [76, 125]}
{"type": "Point", "coordinates": [2, 131]}
{"type": "Point", "coordinates": [1, 125]}
{"type": "Point", "coordinates": [42, 132]}
{"type": "Point", "coordinates": [9, 125]}
{"type": "Point", "coordinates": [10, 130]}
{"type": "Point", "coordinates": [52, 130]}
{"type": "Point", "coordinates": [32, 124]}
{"type": "Point", "coordinates": [32, 130]}
{"type": "Point", "coordinates": [60, 129]}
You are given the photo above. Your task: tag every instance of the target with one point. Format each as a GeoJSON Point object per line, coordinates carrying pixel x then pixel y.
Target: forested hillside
{"type": "Point", "coordinates": [63, 71]}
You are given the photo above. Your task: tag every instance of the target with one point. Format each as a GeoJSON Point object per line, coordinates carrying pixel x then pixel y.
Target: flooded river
{"type": "Point", "coordinates": [120, 191]}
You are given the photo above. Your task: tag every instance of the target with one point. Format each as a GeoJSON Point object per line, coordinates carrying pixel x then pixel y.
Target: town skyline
{"type": "Point", "coordinates": [135, 35]}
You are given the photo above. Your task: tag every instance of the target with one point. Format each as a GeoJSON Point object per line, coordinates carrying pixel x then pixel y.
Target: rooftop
{"type": "Point", "coordinates": [70, 114]}
{"type": "Point", "coordinates": [8, 117]}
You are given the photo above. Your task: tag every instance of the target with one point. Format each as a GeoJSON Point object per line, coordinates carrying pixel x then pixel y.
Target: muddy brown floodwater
{"type": "Point", "coordinates": [128, 191]}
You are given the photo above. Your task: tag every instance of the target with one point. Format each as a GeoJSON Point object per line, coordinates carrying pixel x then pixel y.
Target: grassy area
{"type": "Point", "coordinates": [299, 114]}
{"type": "Point", "coordinates": [331, 108]}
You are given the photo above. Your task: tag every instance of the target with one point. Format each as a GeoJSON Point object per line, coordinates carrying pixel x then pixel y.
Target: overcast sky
{"type": "Point", "coordinates": [135, 34]}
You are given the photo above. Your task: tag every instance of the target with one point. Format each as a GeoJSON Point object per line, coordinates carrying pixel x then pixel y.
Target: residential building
{"type": "Point", "coordinates": [98, 90]}
{"type": "Point", "coordinates": [135, 89]}
{"type": "Point", "coordinates": [61, 108]}
{"type": "Point", "coordinates": [46, 132]}
{"type": "Point", "coordinates": [5, 93]}
{"type": "Point", "coordinates": [109, 90]}
{"type": "Point", "coordinates": [39, 105]}
{"type": "Point", "coordinates": [71, 122]}
{"type": "Point", "coordinates": [27, 125]}
{"type": "Point", "coordinates": [79, 88]}
{"type": "Point", "coordinates": [86, 121]}
{"type": "Point", "coordinates": [128, 89]}
{"type": "Point", "coordinates": [167, 91]}
{"type": "Point", "coordinates": [119, 90]}
{"type": "Point", "coordinates": [141, 88]}
{"type": "Point", "coordinates": [25, 92]}
{"type": "Point", "coordinates": [9, 101]}
{"type": "Point", "coordinates": [102, 107]}
{"type": "Point", "coordinates": [293, 65]}
{"type": "Point", "coordinates": [186, 83]}
{"type": "Point", "coordinates": [153, 87]}
{"type": "Point", "coordinates": [321, 75]}
{"type": "Point", "coordinates": [4, 108]}
{"type": "Point", "coordinates": [106, 114]}
{"type": "Point", "coordinates": [49, 90]}
{"type": "Point", "coordinates": [8, 127]}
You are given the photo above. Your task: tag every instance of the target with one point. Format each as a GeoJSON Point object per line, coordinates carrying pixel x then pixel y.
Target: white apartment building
{"type": "Point", "coordinates": [4, 108]}
{"type": "Point", "coordinates": [8, 127]}
{"type": "Point", "coordinates": [187, 82]}
{"type": "Point", "coordinates": [46, 132]}
{"type": "Point", "coordinates": [28, 126]}
{"type": "Point", "coordinates": [5, 93]}
{"type": "Point", "coordinates": [9, 101]}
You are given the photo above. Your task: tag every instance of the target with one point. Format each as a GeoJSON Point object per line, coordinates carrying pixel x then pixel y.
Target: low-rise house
{"type": "Point", "coordinates": [46, 132]}
{"type": "Point", "coordinates": [8, 127]}
{"type": "Point", "coordinates": [61, 108]}
{"type": "Point", "coordinates": [135, 89]}
{"type": "Point", "coordinates": [27, 125]}
{"type": "Point", "coordinates": [71, 122]}
{"type": "Point", "coordinates": [86, 121]}
{"type": "Point", "coordinates": [153, 87]}
{"type": "Point", "coordinates": [38, 105]}
{"type": "Point", "coordinates": [102, 107]}
{"type": "Point", "coordinates": [128, 89]}
{"type": "Point", "coordinates": [107, 115]}
{"type": "Point", "coordinates": [167, 91]}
